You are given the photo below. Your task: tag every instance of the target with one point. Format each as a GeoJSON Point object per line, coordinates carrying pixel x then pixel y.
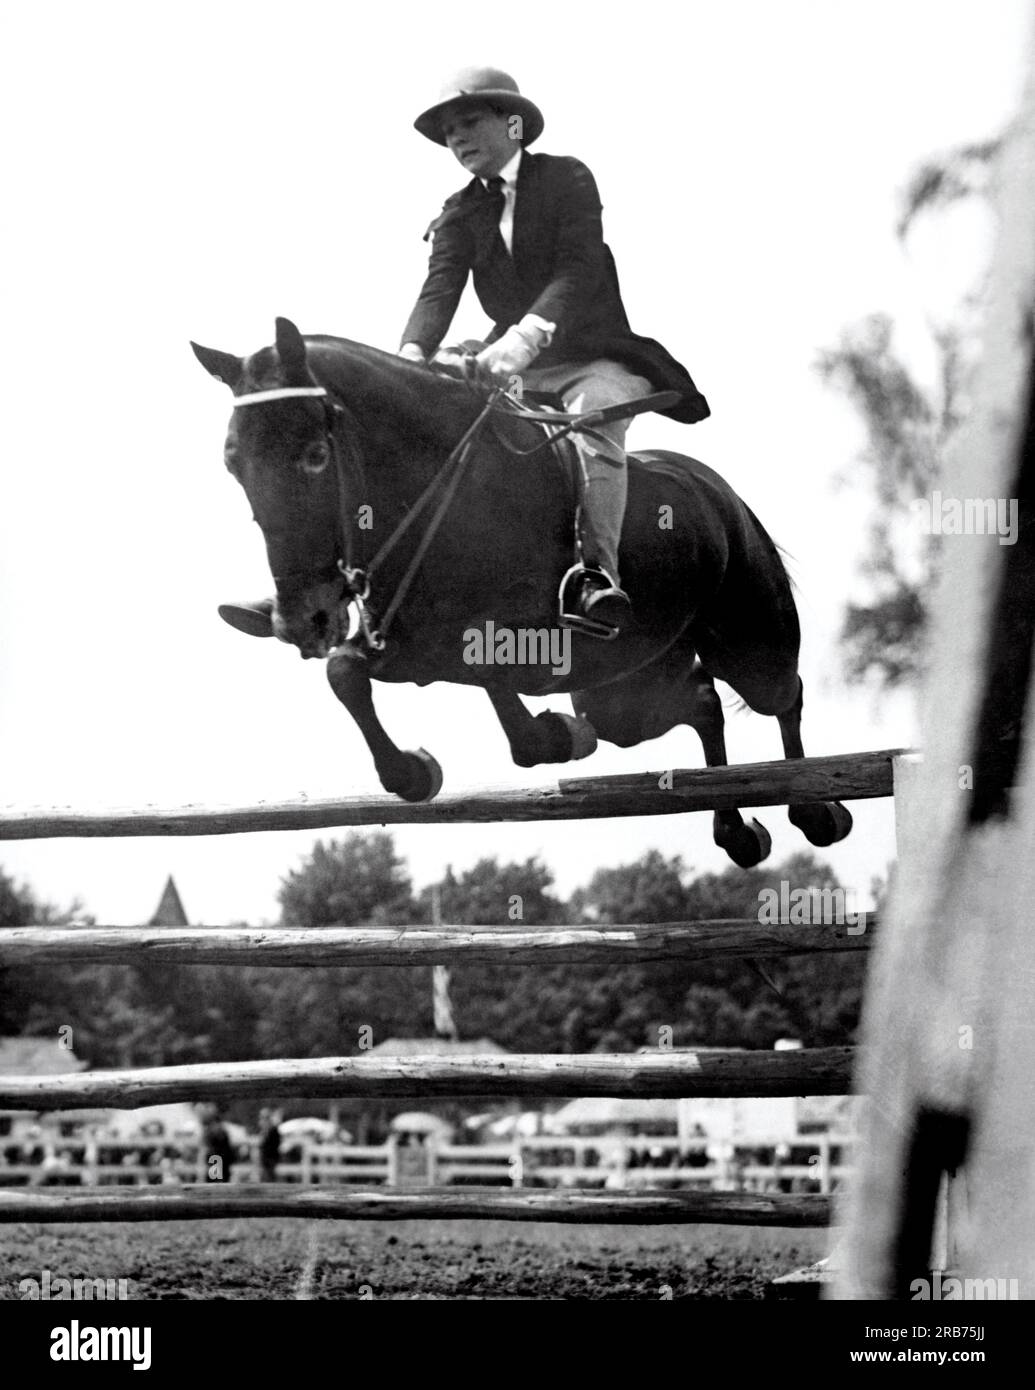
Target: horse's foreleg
{"type": "Point", "coordinates": [541, 738]}
{"type": "Point", "coordinates": [414, 776]}
{"type": "Point", "coordinates": [823, 822]}
{"type": "Point", "coordinates": [746, 842]}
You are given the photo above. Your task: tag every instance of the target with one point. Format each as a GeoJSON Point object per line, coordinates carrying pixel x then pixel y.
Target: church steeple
{"type": "Point", "coordinates": [169, 912]}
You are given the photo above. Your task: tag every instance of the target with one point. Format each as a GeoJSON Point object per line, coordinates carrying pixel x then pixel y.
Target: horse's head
{"type": "Point", "coordinates": [281, 448]}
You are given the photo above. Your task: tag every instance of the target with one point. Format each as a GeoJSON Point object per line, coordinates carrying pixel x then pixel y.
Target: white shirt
{"type": "Point", "coordinates": [509, 175]}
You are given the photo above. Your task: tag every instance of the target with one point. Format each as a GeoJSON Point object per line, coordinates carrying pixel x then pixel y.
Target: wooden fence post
{"type": "Point", "coordinates": [949, 1036]}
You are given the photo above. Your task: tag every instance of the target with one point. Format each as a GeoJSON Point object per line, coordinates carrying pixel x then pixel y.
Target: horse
{"type": "Point", "coordinates": [341, 448]}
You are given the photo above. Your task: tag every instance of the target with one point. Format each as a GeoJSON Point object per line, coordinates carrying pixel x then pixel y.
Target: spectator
{"type": "Point", "coordinates": [269, 1145]}
{"type": "Point", "coordinates": [219, 1152]}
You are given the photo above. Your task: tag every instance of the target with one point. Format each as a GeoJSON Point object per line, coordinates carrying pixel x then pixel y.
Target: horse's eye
{"type": "Point", "coordinates": [316, 457]}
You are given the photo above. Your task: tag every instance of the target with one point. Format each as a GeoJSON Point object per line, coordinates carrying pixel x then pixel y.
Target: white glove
{"type": "Point", "coordinates": [507, 356]}
{"type": "Point", "coordinates": [413, 352]}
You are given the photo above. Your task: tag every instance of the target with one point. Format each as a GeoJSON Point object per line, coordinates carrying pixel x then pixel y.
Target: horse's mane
{"type": "Point", "coordinates": [325, 348]}
{"type": "Point", "coordinates": [438, 405]}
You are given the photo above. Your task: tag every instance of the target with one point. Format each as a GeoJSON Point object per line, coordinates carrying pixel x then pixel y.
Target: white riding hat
{"type": "Point", "coordinates": [481, 87]}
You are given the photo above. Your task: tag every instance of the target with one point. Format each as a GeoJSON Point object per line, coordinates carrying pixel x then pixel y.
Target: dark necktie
{"type": "Point", "coordinates": [494, 194]}
{"type": "Point", "coordinates": [495, 201]}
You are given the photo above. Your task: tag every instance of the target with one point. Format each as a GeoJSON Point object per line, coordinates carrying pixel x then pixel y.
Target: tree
{"type": "Point", "coordinates": [494, 894]}
{"type": "Point", "coordinates": [352, 882]}
{"type": "Point", "coordinates": [347, 882]}
{"type": "Point", "coordinates": [908, 428]}
{"type": "Point", "coordinates": [728, 1003]}
{"type": "Point", "coordinates": [28, 995]}
{"type": "Point", "coordinates": [650, 890]}
{"type": "Point", "coordinates": [17, 905]}
{"type": "Point", "coordinates": [882, 635]}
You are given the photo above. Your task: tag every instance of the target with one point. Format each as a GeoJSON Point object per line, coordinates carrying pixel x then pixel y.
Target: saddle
{"type": "Point", "coordinates": [561, 426]}
{"type": "Point", "coordinates": [547, 411]}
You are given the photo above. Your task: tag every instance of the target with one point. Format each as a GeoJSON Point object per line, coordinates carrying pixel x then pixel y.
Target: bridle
{"type": "Point", "coordinates": [356, 571]}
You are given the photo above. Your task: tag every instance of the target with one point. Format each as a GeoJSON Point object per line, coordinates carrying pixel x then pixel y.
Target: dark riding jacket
{"type": "Point", "coordinates": [560, 269]}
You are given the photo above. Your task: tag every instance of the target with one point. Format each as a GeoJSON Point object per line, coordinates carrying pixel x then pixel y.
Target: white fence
{"type": "Point", "coordinates": [811, 1163]}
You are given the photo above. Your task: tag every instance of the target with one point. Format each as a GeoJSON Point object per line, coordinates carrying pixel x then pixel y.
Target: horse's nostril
{"type": "Point", "coordinates": [320, 623]}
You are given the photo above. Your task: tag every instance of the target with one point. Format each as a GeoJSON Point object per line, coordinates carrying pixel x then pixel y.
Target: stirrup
{"type": "Point", "coordinates": [567, 599]}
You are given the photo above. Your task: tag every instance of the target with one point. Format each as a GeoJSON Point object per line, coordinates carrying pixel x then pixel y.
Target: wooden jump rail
{"type": "Point", "coordinates": [427, 1203]}
{"type": "Point", "coordinates": [705, 1073]}
{"type": "Point", "coordinates": [718, 1072]}
{"type": "Point", "coordinates": [444, 945]}
{"type": "Point", "coordinates": [845, 777]}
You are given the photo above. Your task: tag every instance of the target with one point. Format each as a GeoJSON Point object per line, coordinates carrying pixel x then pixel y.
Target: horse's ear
{"type": "Point", "coordinates": [222, 365]}
{"type": "Point", "coordinates": [291, 351]}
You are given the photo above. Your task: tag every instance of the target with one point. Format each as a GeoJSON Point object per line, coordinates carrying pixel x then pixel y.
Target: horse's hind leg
{"type": "Point", "coordinates": [766, 677]}
{"type": "Point", "coordinates": [746, 843]}
{"type": "Point", "coordinates": [822, 822]}
{"type": "Point", "coordinates": [673, 690]}
{"type": "Point", "coordinates": [414, 776]}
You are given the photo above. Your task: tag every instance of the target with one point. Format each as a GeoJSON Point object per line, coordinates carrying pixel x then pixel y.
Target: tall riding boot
{"type": "Point", "coordinates": [604, 487]}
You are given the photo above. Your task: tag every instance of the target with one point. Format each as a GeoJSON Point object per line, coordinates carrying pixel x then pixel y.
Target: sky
{"type": "Point", "coordinates": [190, 172]}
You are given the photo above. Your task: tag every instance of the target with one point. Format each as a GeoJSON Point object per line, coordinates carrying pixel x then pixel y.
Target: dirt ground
{"type": "Point", "coordinates": [294, 1259]}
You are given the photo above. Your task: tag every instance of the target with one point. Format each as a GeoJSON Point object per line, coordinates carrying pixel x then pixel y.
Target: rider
{"type": "Point", "coordinates": [528, 226]}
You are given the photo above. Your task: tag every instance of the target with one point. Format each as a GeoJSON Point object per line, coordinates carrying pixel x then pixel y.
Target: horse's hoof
{"type": "Point", "coordinates": [823, 824]}
{"type": "Point", "coordinates": [425, 777]}
{"type": "Point", "coordinates": [559, 738]}
{"type": "Point", "coordinates": [842, 820]}
{"type": "Point", "coordinates": [746, 844]}
{"type": "Point", "coordinates": [582, 734]}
